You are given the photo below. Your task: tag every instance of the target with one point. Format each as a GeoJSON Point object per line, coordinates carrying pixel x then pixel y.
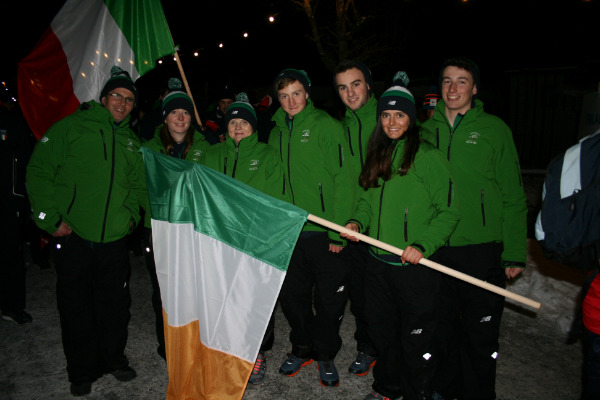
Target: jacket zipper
{"type": "Point", "coordinates": [225, 166]}
{"type": "Point", "coordinates": [450, 144]}
{"type": "Point", "coordinates": [449, 192]}
{"type": "Point", "coordinates": [104, 144]}
{"type": "Point", "coordinates": [406, 224]}
{"type": "Point", "coordinates": [235, 161]}
{"type": "Point", "coordinates": [380, 205]}
{"type": "Point", "coordinates": [360, 147]}
{"type": "Point", "coordinates": [288, 165]}
{"type": "Point", "coordinates": [112, 176]}
{"type": "Point", "coordinates": [321, 195]}
{"type": "Point", "coordinates": [73, 200]}
{"type": "Point", "coordinates": [350, 141]}
{"type": "Point", "coordinates": [482, 206]}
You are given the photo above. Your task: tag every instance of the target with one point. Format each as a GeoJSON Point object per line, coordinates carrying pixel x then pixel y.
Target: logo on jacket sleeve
{"type": "Point", "coordinates": [130, 145]}
{"type": "Point", "coordinates": [254, 165]}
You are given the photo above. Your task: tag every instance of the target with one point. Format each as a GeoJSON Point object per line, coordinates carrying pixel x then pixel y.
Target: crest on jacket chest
{"type": "Point", "coordinates": [473, 137]}
{"type": "Point", "coordinates": [305, 135]}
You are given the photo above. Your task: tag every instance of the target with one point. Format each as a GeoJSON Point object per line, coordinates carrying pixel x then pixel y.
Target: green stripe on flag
{"type": "Point", "coordinates": [145, 27]}
{"type": "Point", "coordinates": [222, 208]}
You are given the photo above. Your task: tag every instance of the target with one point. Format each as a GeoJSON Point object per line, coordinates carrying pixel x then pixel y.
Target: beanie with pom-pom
{"type": "Point", "coordinates": [176, 99]}
{"type": "Point", "coordinates": [119, 79]}
{"type": "Point", "coordinates": [241, 108]}
{"type": "Point", "coordinates": [398, 97]}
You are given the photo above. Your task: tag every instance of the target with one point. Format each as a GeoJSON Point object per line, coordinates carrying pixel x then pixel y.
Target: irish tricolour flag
{"type": "Point", "coordinates": [222, 250]}
{"type": "Point", "coordinates": [72, 60]}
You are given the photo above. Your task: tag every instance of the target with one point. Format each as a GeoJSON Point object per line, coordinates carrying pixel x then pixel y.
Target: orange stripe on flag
{"type": "Point", "coordinates": [197, 372]}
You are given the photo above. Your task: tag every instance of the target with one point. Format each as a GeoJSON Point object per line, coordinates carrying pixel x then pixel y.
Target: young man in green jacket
{"type": "Point", "coordinates": [490, 241]}
{"type": "Point", "coordinates": [84, 184]}
{"type": "Point", "coordinates": [354, 84]}
{"type": "Point", "coordinates": [311, 145]}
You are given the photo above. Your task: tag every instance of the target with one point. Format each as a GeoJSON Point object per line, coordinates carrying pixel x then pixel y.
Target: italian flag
{"type": "Point", "coordinates": [72, 61]}
{"type": "Point", "coordinates": [222, 250]}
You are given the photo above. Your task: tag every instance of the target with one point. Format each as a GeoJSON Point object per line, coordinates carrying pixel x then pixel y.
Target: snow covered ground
{"type": "Point", "coordinates": [534, 362]}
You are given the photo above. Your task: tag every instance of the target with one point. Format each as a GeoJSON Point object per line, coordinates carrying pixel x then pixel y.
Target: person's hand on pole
{"type": "Point", "coordinates": [411, 255]}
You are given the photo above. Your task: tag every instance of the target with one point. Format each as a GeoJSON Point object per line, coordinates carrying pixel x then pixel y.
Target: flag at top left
{"type": "Point", "coordinates": [72, 61]}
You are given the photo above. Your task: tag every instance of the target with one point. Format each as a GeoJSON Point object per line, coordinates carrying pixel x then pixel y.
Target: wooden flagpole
{"type": "Point", "coordinates": [428, 263]}
{"type": "Point", "coordinates": [187, 86]}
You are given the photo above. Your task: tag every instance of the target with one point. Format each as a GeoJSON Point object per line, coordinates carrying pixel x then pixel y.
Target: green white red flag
{"type": "Point", "coordinates": [72, 61]}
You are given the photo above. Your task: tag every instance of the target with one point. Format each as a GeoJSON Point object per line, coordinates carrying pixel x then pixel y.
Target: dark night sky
{"type": "Point", "coordinates": [498, 35]}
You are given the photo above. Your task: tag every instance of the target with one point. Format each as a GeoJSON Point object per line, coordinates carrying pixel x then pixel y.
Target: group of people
{"type": "Point", "coordinates": [446, 188]}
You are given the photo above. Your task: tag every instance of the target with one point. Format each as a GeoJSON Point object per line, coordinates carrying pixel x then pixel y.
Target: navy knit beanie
{"type": "Point", "coordinates": [242, 109]}
{"type": "Point", "coordinates": [398, 97]}
{"type": "Point", "coordinates": [119, 79]}
{"type": "Point", "coordinates": [176, 98]}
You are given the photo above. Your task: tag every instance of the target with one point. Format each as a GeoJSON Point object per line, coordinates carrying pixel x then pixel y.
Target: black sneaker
{"type": "Point", "coordinates": [18, 317]}
{"type": "Point", "coordinates": [124, 374]}
{"type": "Point", "coordinates": [293, 364]}
{"type": "Point", "coordinates": [81, 388]}
{"type": "Point", "coordinates": [328, 373]}
{"type": "Point", "coordinates": [259, 370]}
{"type": "Point", "coordinates": [376, 396]}
{"type": "Point", "coordinates": [362, 364]}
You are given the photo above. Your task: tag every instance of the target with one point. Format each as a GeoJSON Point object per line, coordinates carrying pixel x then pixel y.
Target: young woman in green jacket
{"type": "Point", "coordinates": [405, 203]}
{"type": "Point", "coordinates": [242, 157]}
{"type": "Point", "coordinates": [177, 138]}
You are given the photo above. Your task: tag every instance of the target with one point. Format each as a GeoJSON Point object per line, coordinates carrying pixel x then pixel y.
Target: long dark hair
{"type": "Point", "coordinates": [168, 142]}
{"type": "Point", "coordinates": [380, 153]}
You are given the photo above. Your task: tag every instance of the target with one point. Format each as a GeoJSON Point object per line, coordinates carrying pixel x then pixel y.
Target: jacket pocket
{"type": "Point", "coordinates": [321, 197]}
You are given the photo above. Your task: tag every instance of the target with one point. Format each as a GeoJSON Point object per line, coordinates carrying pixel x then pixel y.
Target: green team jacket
{"type": "Point", "coordinates": [411, 210]}
{"type": "Point", "coordinates": [487, 176]}
{"type": "Point", "coordinates": [313, 152]}
{"type": "Point", "coordinates": [87, 172]}
{"type": "Point", "coordinates": [358, 126]}
{"type": "Point", "coordinates": [251, 162]}
{"type": "Point", "coordinates": [195, 154]}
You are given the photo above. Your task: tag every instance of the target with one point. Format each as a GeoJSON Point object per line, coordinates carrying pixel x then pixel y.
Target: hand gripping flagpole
{"type": "Point", "coordinates": [428, 263]}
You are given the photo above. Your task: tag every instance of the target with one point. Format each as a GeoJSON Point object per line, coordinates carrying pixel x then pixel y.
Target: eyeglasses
{"type": "Point", "coordinates": [118, 97]}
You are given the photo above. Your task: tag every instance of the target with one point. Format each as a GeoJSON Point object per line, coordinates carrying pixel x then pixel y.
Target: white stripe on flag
{"type": "Point", "coordinates": [230, 293]}
{"type": "Point", "coordinates": [91, 40]}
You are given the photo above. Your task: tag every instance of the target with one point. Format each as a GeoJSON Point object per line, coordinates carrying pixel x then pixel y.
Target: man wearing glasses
{"type": "Point", "coordinates": [85, 184]}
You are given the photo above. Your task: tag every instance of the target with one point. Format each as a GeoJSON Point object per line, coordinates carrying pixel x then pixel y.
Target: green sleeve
{"type": "Point", "coordinates": [514, 203]}
{"type": "Point", "coordinates": [41, 172]}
